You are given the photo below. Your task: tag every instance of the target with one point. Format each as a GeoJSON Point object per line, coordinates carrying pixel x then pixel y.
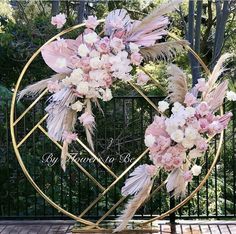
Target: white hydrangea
{"type": "Point", "coordinates": [177, 136]}
{"type": "Point", "coordinates": [177, 107]}
{"type": "Point", "coordinates": [196, 170]}
{"type": "Point", "coordinates": [231, 96]}
{"type": "Point", "coordinates": [149, 140]}
{"type": "Point", "coordinates": [189, 112]}
{"type": "Point", "coordinates": [171, 125]}
{"type": "Point", "coordinates": [77, 106]}
{"type": "Point", "coordinates": [83, 50]}
{"type": "Point", "coordinates": [83, 87]}
{"type": "Point", "coordinates": [163, 106]}
{"type": "Point", "coordinates": [91, 38]}
{"type": "Point", "coordinates": [191, 133]}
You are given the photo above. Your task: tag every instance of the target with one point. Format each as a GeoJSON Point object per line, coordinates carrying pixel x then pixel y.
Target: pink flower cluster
{"type": "Point", "coordinates": [176, 140]}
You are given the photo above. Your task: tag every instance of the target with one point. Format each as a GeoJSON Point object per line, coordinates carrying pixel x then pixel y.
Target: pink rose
{"type": "Point", "coordinates": [86, 119]}
{"type": "Point", "coordinates": [201, 145]}
{"type": "Point", "coordinates": [190, 99]}
{"type": "Point", "coordinates": [203, 109]}
{"type": "Point", "coordinates": [59, 20]}
{"type": "Point", "coordinates": [136, 58]}
{"type": "Point", "coordinates": [201, 85]}
{"type": "Point", "coordinates": [160, 144]}
{"type": "Point", "coordinates": [142, 78]}
{"type": "Point", "coordinates": [91, 22]}
{"type": "Point", "coordinates": [177, 161]}
{"type": "Point", "coordinates": [103, 45]}
{"type": "Point", "coordinates": [187, 175]}
{"type": "Point", "coordinates": [69, 137]}
{"type": "Point", "coordinates": [117, 44]}
{"type": "Point", "coordinates": [167, 159]}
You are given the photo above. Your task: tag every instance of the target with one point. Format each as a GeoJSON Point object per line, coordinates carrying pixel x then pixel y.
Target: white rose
{"type": "Point", "coordinates": [82, 88]}
{"type": "Point", "coordinates": [163, 106]}
{"type": "Point", "coordinates": [177, 107]}
{"type": "Point", "coordinates": [91, 38]}
{"type": "Point", "coordinates": [177, 136]}
{"type": "Point", "coordinates": [194, 153]}
{"type": "Point", "coordinates": [76, 76]}
{"type": "Point", "coordinates": [95, 62]}
{"type": "Point", "coordinates": [77, 106]}
{"type": "Point", "coordinates": [171, 125]}
{"type": "Point", "coordinates": [107, 95]}
{"type": "Point", "coordinates": [149, 140]}
{"type": "Point", "coordinates": [83, 50]}
{"type": "Point", "coordinates": [188, 144]}
{"type": "Point", "coordinates": [189, 112]}
{"type": "Point", "coordinates": [231, 96]}
{"type": "Point", "coordinates": [191, 133]}
{"type": "Point", "coordinates": [61, 63]}
{"type": "Point", "coordinates": [196, 170]}
{"type": "Point", "coordinates": [94, 53]}
{"type": "Point", "coordinates": [133, 47]}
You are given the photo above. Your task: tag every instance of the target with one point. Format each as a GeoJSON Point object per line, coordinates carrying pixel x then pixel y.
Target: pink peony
{"type": "Point", "coordinates": [187, 175]}
{"type": "Point", "coordinates": [190, 99]}
{"type": "Point", "coordinates": [59, 20]}
{"type": "Point", "coordinates": [86, 119]}
{"type": "Point", "coordinates": [91, 22]}
{"type": "Point", "coordinates": [69, 137]}
{"type": "Point", "coordinates": [136, 58]}
{"type": "Point", "coordinates": [142, 78]}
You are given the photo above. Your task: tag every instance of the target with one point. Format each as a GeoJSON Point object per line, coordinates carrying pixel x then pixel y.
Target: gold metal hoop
{"type": "Point", "coordinates": [79, 218]}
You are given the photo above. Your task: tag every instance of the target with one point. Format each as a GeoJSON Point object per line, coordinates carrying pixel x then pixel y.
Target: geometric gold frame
{"type": "Point", "coordinates": [88, 224]}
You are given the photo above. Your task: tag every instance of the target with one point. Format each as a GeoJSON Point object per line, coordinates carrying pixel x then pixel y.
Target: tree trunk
{"type": "Point", "coordinates": [55, 7]}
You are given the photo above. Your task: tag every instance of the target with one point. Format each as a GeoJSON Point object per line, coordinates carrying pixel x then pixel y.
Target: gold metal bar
{"type": "Point", "coordinates": [96, 158]}
{"type": "Point", "coordinates": [113, 183]}
{"type": "Point", "coordinates": [31, 131]}
{"type": "Point", "coordinates": [31, 106]}
{"type": "Point", "coordinates": [144, 96]}
{"type": "Point", "coordinates": [72, 158]}
{"type": "Point", "coordinates": [112, 208]}
{"type": "Point", "coordinates": [153, 79]}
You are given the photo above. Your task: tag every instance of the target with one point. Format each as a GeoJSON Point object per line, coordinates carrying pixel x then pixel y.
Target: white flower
{"type": "Point", "coordinates": [163, 106]}
{"type": "Point", "coordinates": [177, 107]}
{"type": "Point", "coordinates": [188, 144]}
{"type": "Point", "coordinates": [107, 95]}
{"type": "Point", "coordinates": [177, 136]}
{"type": "Point", "coordinates": [194, 153]}
{"type": "Point", "coordinates": [83, 50]}
{"type": "Point", "coordinates": [66, 81]}
{"type": "Point", "coordinates": [82, 88]}
{"type": "Point", "coordinates": [231, 96]}
{"type": "Point", "coordinates": [189, 112]}
{"type": "Point", "coordinates": [61, 63]}
{"type": "Point", "coordinates": [77, 106]}
{"type": "Point", "coordinates": [191, 133]}
{"type": "Point", "coordinates": [133, 47]}
{"type": "Point", "coordinates": [95, 62]}
{"type": "Point", "coordinates": [196, 170]}
{"type": "Point", "coordinates": [91, 38]}
{"type": "Point", "coordinates": [94, 53]}
{"type": "Point", "coordinates": [149, 140]}
{"type": "Point", "coordinates": [171, 126]}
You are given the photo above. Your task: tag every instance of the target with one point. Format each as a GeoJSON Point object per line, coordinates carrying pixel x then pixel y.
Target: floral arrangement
{"type": "Point", "coordinates": [90, 65]}
{"type": "Point", "coordinates": [179, 135]}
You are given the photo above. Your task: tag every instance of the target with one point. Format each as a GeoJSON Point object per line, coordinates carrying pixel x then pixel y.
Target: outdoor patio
{"type": "Point", "coordinates": [60, 226]}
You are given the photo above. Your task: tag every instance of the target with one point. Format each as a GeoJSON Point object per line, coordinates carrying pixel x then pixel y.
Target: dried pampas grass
{"type": "Point", "coordinates": [177, 84]}
{"type": "Point", "coordinates": [165, 50]}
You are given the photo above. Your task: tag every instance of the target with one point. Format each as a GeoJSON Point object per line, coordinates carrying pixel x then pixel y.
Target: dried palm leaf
{"type": "Point", "coordinates": [37, 88]}
{"type": "Point", "coordinates": [177, 84]}
{"type": "Point", "coordinates": [133, 205]}
{"type": "Point", "coordinates": [165, 50]}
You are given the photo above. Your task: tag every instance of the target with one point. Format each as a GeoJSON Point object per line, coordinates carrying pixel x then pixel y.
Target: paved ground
{"type": "Point", "coordinates": [60, 226]}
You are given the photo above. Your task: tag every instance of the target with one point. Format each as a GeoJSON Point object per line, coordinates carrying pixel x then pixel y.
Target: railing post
{"type": "Point", "coordinates": [172, 215]}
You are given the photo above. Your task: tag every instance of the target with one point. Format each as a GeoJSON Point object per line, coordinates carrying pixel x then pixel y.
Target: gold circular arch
{"type": "Point", "coordinates": [79, 218]}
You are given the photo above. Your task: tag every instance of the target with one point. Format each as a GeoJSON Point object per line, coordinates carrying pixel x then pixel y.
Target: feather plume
{"type": "Point", "coordinates": [64, 153]}
{"type": "Point", "coordinates": [165, 50]}
{"type": "Point", "coordinates": [217, 71]}
{"type": "Point", "coordinates": [177, 84]}
{"type": "Point", "coordinates": [37, 88]}
{"type": "Point", "coordinates": [133, 205]}
{"type": "Point", "coordinates": [152, 27]}
{"type": "Point", "coordinates": [215, 98]}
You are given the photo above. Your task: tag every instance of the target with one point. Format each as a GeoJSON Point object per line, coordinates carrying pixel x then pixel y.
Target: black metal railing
{"type": "Point", "coordinates": [118, 140]}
